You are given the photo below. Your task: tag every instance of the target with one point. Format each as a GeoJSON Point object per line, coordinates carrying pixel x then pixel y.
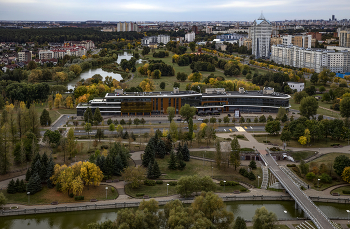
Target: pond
{"type": "Point", "coordinates": [81, 219]}
{"type": "Point", "coordinates": [89, 73]}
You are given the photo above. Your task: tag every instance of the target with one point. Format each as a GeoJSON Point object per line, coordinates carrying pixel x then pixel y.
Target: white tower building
{"type": "Point", "coordinates": [260, 32]}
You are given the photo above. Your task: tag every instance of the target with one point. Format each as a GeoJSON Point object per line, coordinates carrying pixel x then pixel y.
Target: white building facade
{"type": "Point", "coordinates": [317, 59]}
{"type": "Point", "coordinates": [260, 33]}
{"type": "Point", "coordinates": [189, 37]}
{"type": "Point", "coordinates": [296, 86]}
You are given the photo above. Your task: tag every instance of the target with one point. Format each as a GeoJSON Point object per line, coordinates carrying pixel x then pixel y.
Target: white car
{"type": "Point", "coordinates": [200, 119]}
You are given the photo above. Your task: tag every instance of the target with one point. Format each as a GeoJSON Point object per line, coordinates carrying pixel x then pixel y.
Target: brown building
{"type": "Point", "coordinates": [315, 35]}
{"type": "Point", "coordinates": [195, 29]}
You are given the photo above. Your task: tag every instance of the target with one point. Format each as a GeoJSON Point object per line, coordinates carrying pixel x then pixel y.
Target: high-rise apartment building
{"type": "Point", "coordinates": [260, 33]}
{"type": "Point", "coordinates": [316, 59]}
{"type": "Point", "coordinates": [127, 27]}
{"type": "Point", "coordinates": [25, 56]}
{"type": "Point", "coordinates": [301, 41]}
{"type": "Point", "coordinates": [344, 38]}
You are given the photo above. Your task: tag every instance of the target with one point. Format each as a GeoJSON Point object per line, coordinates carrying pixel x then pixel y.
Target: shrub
{"type": "Point", "coordinates": [140, 194]}
{"type": "Point", "coordinates": [104, 146]}
{"type": "Point", "coordinates": [71, 195]}
{"type": "Point", "coordinates": [291, 165]}
{"type": "Point", "coordinates": [159, 182]}
{"type": "Point", "coordinates": [149, 182]}
{"type": "Point", "coordinates": [346, 191]}
{"type": "Point", "coordinates": [310, 176]}
{"type": "Point", "coordinates": [229, 183]}
{"type": "Point", "coordinates": [243, 189]}
{"type": "Point", "coordinates": [172, 183]}
{"type": "Point", "coordinates": [79, 198]}
{"type": "Point", "coordinates": [297, 171]}
{"type": "Point", "coordinates": [325, 178]}
{"type": "Point", "coordinates": [240, 136]}
{"type": "Point", "coordinates": [112, 189]}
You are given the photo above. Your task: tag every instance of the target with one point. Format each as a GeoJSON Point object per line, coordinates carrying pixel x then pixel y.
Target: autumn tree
{"type": "Point", "coordinates": [147, 85]}
{"type": "Point", "coordinates": [264, 219]}
{"type": "Point", "coordinates": [135, 175]}
{"type": "Point", "coordinates": [91, 174]}
{"type": "Point", "coordinates": [187, 111]}
{"type": "Point", "coordinates": [45, 119]}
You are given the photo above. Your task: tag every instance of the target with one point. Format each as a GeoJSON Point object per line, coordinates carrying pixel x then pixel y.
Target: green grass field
{"type": "Point", "coordinates": [47, 196]}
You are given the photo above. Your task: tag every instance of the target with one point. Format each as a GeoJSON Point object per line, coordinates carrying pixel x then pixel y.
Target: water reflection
{"type": "Point", "coordinates": [89, 73]}
{"type": "Point", "coordinates": [80, 220]}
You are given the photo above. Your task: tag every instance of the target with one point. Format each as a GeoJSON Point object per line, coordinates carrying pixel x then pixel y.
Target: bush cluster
{"type": "Point", "coordinates": [79, 198]}
{"type": "Point", "coordinates": [172, 183]}
{"type": "Point", "coordinates": [244, 172]}
{"type": "Point", "coordinates": [229, 183]}
{"type": "Point", "coordinates": [149, 182]}
{"type": "Point", "coordinates": [291, 165]}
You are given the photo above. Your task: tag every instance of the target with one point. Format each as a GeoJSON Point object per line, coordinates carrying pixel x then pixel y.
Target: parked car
{"type": "Point", "coordinates": [229, 115]}
{"type": "Point", "coordinates": [200, 119]}
{"type": "Point", "coordinates": [179, 119]}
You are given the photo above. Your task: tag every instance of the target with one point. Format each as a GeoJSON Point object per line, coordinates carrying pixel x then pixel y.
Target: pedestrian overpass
{"type": "Point", "coordinates": [302, 200]}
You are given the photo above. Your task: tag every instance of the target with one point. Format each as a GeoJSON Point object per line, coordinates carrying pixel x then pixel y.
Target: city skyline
{"type": "Point", "coordinates": [156, 10]}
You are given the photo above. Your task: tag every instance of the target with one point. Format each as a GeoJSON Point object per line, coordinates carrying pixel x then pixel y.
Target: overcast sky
{"type": "Point", "coordinates": [177, 10]}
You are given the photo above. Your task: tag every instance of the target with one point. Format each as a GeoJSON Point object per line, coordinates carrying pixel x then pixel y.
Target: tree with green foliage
{"type": "Point", "coordinates": [192, 46]}
{"type": "Point", "coordinates": [273, 127]}
{"type": "Point", "coordinates": [264, 219]}
{"type": "Point", "coordinates": [314, 78]}
{"type": "Point", "coordinates": [286, 135]}
{"type": "Point", "coordinates": [308, 107]}
{"type": "Point", "coordinates": [3, 199]}
{"type": "Point", "coordinates": [262, 118]}
{"type": "Point", "coordinates": [325, 76]}
{"type": "Point", "coordinates": [99, 134]}
{"type": "Point", "coordinates": [11, 187]}
{"type": "Point", "coordinates": [149, 153]}
{"type": "Point", "coordinates": [187, 112]}
{"type": "Point", "coordinates": [235, 153]}
{"type": "Point", "coordinates": [97, 115]}
{"type": "Point", "coordinates": [252, 164]}
{"type": "Point", "coordinates": [345, 107]}
{"type": "Point", "coordinates": [45, 119]}
{"type": "Point", "coordinates": [172, 161]}
{"type": "Point", "coordinates": [190, 129]}
{"type": "Point", "coordinates": [240, 223]}
{"type": "Point", "coordinates": [34, 184]}
{"type": "Point", "coordinates": [298, 96]}
{"type": "Point", "coordinates": [304, 168]}
{"type": "Point", "coordinates": [88, 117]}
{"type": "Point", "coordinates": [52, 137]}
{"type": "Point", "coordinates": [185, 153]}
{"type": "Point", "coordinates": [340, 163]}
{"type": "Point", "coordinates": [162, 85]}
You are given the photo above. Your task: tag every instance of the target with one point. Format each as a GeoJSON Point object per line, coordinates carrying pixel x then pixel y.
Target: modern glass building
{"type": "Point", "coordinates": [214, 100]}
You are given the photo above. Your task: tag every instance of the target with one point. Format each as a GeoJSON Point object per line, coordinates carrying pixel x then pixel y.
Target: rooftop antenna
{"type": "Point", "coordinates": [261, 16]}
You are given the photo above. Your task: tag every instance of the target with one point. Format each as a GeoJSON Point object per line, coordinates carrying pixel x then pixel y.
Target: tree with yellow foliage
{"type": "Point", "coordinates": [91, 174]}
{"type": "Point", "coordinates": [69, 102]}
{"type": "Point", "coordinates": [50, 102]}
{"type": "Point", "coordinates": [307, 135]}
{"type": "Point", "coordinates": [60, 77]}
{"type": "Point", "coordinates": [202, 126]}
{"type": "Point", "coordinates": [147, 85]}
{"type": "Point", "coordinates": [58, 100]}
{"type": "Point", "coordinates": [302, 140]}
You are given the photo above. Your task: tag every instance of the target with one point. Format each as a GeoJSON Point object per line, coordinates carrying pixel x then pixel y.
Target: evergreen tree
{"type": "Point", "coordinates": [22, 187]}
{"type": "Point", "coordinates": [149, 154]}
{"type": "Point", "coordinates": [161, 149]}
{"type": "Point", "coordinates": [11, 187]}
{"type": "Point", "coordinates": [17, 185]}
{"type": "Point", "coordinates": [36, 158]}
{"type": "Point", "coordinates": [109, 166]}
{"type": "Point", "coordinates": [17, 153]}
{"type": "Point", "coordinates": [179, 149]}
{"type": "Point", "coordinates": [34, 184]}
{"type": "Point", "coordinates": [88, 115]}
{"type": "Point", "coordinates": [150, 174]}
{"type": "Point", "coordinates": [37, 169]}
{"type": "Point", "coordinates": [190, 129]}
{"type": "Point", "coordinates": [45, 119]}
{"type": "Point", "coordinates": [252, 164]}
{"type": "Point", "coordinates": [28, 174]}
{"type": "Point", "coordinates": [168, 144]}
{"type": "Point", "coordinates": [100, 162]}
{"type": "Point", "coordinates": [49, 172]}
{"type": "Point", "coordinates": [97, 115]}
{"type": "Point", "coordinates": [185, 153]}
{"type": "Point", "coordinates": [118, 165]}
{"type": "Point", "coordinates": [172, 162]}
{"type": "Point", "coordinates": [155, 170]}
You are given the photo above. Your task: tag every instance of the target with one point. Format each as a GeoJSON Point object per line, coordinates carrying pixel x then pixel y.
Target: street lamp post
{"type": "Point", "coordinates": [318, 182]}
{"type": "Point", "coordinates": [212, 172]}
{"type": "Point", "coordinates": [348, 211]}
{"type": "Point", "coordinates": [28, 193]}
{"type": "Point", "coordinates": [224, 185]}
{"type": "Point", "coordinates": [106, 192]}
{"type": "Point", "coordinates": [167, 189]}
{"type": "Point", "coordinates": [258, 181]}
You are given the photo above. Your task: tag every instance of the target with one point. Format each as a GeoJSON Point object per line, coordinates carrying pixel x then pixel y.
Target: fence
{"type": "Point", "coordinates": [163, 202]}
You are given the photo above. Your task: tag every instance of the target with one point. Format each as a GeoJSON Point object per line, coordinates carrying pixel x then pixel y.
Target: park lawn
{"type": "Point", "coordinates": [152, 191]}
{"type": "Point", "coordinates": [47, 196]}
{"type": "Point", "coordinates": [275, 139]}
{"type": "Point", "coordinates": [329, 157]}
{"type": "Point", "coordinates": [160, 190]}
{"type": "Point", "coordinates": [206, 154]}
{"type": "Point", "coordinates": [67, 111]}
{"type": "Point", "coordinates": [206, 168]}
{"type": "Point", "coordinates": [39, 107]}
{"type": "Point", "coordinates": [302, 155]}
{"type": "Point", "coordinates": [341, 189]}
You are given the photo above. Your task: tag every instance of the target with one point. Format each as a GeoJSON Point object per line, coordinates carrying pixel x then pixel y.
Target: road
{"type": "Point", "coordinates": [303, 201]}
